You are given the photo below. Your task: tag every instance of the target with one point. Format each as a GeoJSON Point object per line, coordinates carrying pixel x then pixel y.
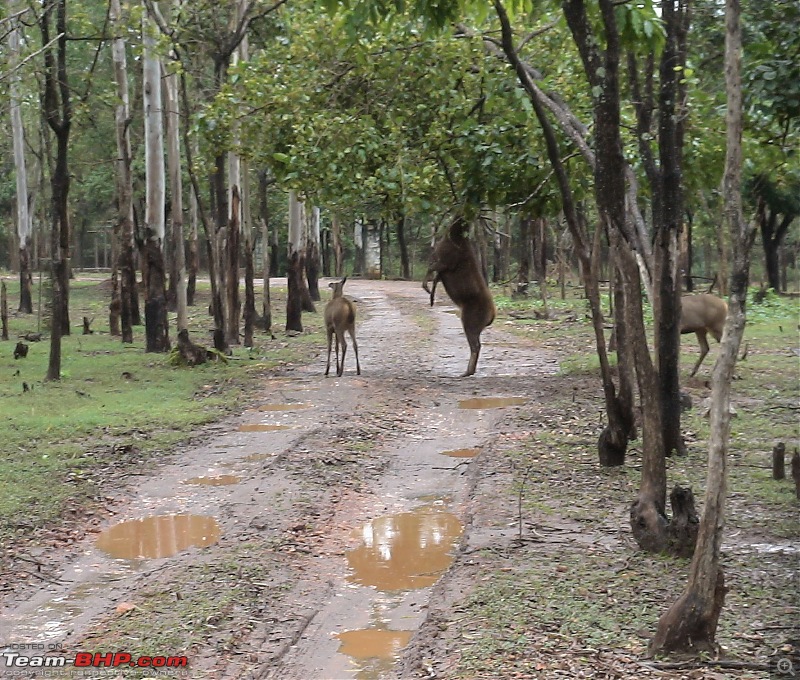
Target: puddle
{"type": "Point", "coordinates": [491, 402]}
{"type": "Point", "coordinates": [405, 551]}
{"type": "Point", "coordinates": [158, 536]}
{"type": "Point", "coordinates": [217, 480]}
{"type": "Point", "coordinates": [376, 650]}
{"type": "Point", "coordinates": [282, 407]}
{"type": "Point", "coordinates": [261, 427]}
{"type": "Point", "coordinates": [461, 453]}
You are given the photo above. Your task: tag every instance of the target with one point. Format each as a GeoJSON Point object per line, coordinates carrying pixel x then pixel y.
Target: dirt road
{"type": "Point", "coordinates": [303, 539]}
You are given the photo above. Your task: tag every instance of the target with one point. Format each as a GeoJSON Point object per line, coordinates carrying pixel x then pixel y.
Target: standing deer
{"type": "Point", "coordinates": [703, 314]}
{"type": "Point", "coordinates": [340, 316]}
{"type": "Point", "coordinates": [454, 264]}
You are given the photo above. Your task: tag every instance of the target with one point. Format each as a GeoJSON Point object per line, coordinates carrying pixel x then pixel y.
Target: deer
{"type": "Point", "coordinates": [453, 262]}
{"type": "Point", "coordinates": [703, 314]}
{"type": "Point", "coordinates": [340, 316]}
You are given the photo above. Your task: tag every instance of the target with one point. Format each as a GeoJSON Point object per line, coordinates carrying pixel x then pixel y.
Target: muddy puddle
{"type": "Point", "coordinates": [491, 402]}
{"type": "Point", "coordinates": [262, 427]}
{"type": "Point", "coordinates": [214, 480]}
{"type": "Point", "coordinates": [405, 551]}
{"type": "Point", "coordinates": [158, 536]}
{"type": "Point", "coordinates": [373, 649]}
{"type": "Point", "coordinates": [461, 453]}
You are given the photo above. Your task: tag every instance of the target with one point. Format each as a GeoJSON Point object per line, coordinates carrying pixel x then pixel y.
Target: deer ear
{"type": "Point", "coordinates": [343, 280]}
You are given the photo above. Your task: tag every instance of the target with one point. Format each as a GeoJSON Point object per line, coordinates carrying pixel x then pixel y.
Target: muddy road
{"type": "Point", "coordinates": [302, 539]}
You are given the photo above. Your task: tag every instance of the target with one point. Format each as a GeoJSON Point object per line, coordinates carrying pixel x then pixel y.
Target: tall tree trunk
{"type": "Point", "coordinates": [155, 313]}
{"type": "Point", "coordinates": [336, 234]}
{"type": "Point", "coordinates": [178, 263]}
{"type": "Point", "coordinates": [690, 624]}
{"type": "Point", "coordinates": [524, 254]}
{"type": "Point", "coordinates": [400, 232]}
{"type": "Point", "coordinates": [249, 314]}
{"type": "Point", "coordinates": [24, 225]}
{"type": "Point", "coordinates": [313, 255]}
{"type": "Point", "coordinates": [266, 307]}
{"type": "Point", "coordinates": [305, 293]}
{"type": "Point", "coordinates": [372, 249]}
{"type": "Point", "coordinates": [231, 247]}
{"type": "Point", "coordinates": [57, 108]}
{"type": "Point", "coordinates": [193, 260]}
{"type": "Point", "coordinates": [296, 267]}
{"type": "Point", "coordinates": [358, 242]}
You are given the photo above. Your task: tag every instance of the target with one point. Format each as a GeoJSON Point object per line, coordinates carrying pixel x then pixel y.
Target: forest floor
{"type": "Point", "coordinates": [409, 523]}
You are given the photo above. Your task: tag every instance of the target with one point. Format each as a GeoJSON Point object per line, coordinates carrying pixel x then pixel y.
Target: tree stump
{"type": "Point", "coordinates": [192, 354]}
{"type": "Point", "coordinates": [86, 323]}
{"type": "Point", "coordinates": [796, 472]}
{"type": "Point", "coordinates": [778, 461]}
{"type": "Point", "coordinates": [684, 524]}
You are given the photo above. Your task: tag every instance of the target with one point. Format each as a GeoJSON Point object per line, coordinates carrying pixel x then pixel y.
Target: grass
{"type": "Point", "coordinates": [62, 435]}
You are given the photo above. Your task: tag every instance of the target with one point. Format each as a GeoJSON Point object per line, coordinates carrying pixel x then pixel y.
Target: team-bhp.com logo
{"type": "Point", "coordinates": [12, 659]}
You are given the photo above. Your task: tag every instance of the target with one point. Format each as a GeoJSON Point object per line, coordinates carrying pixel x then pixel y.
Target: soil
{"type": "Point", "coordinates": [331, 525]}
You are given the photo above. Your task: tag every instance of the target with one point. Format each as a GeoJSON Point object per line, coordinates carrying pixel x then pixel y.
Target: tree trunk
{"type": "Point", "coordinates": [690, 624]}
{"type": "Point", "coordinates": [178, 262]}
{"type": "Point", "coordinates": [266, 307]}
{"type": "Point", "coordinates": [313, 255]}
{"type": "Point", "coordinates": [57, 108]}
{"type": "Point", "coordinates": [24, 226]}
{"type": "Point", "coordinates": [296, 267]}
{"type": "Point", "coordinates": [400, 231]}
{"type": "Point", "coordinates": [3, 311]}
{"type": "Point", "coordinates": [358, 242]}
{"type": "Point", "coordinates": [372, 250]}
{"type": "Point", "coordinates": [249, 314]}
{"type": "Point", "coordinates": [305, 293]}
{"type": "Point", "coordinates": [193, 260]}
{"type": "Point", "coordinates": [231, 250]}
{"type": "Point", "coordinates": [523, 254]}
{"type": "Point", "coordinates": [155, 313]}
{"type": "Point", "coordinates": [336, 233]}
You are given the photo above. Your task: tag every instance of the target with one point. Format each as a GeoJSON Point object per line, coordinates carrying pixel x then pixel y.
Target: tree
{"type": "Point", "coordinates": [124, 293]}
{"type": "Point", "coordinates": [57, 109]}
{"type": "Point", "coordinates": [155, 308]}
{"type": "Point", "coordinates": [296, 269]}
{"type": "Point", "coordinates": [691, 622]}
{"type": "Point", "coordinates": [24, 225]}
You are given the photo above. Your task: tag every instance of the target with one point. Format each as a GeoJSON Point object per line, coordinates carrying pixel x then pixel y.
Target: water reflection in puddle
{"type": "Point", "coordinates": [216, 480]}
{"type": "Point", "coordinates": [405, 551]}
{"type": "Point", "coordinates": [261, 427]}
{"type": "Point", "coordinates": [491, 402]}
{"type": "Point", "coordinates": [374, 649]}
{"type": "Point", "coordinates": [158, 536]}
{"type": "Point", "coordinates": [282, 407]}
{"type": "Point", "coordinates": [461, 453]}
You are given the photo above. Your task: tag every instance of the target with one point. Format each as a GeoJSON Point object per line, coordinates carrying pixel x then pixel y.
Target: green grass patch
{"type": "Point", "coordinates": [61, 435]}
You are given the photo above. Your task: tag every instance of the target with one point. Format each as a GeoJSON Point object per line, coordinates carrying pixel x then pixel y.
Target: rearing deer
{"type": "Point", "coordinates": [454, 264]}
{"type": "Point", "coordinates": [340, 316]}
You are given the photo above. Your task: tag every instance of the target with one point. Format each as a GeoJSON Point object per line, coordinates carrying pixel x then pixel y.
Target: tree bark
{"type": "Point", "coordinates": [313, 255]}
{"type": "Point", "coordinates": [400, 232]}
{"type": "Point", "coordinates": [57, 107]}
{"type": "Point", "coordinates": [336, 234]}
{"type": "Point", "coordinates": [155, 314]}
{"type": "Point", "coordinates": [24, 226]}
{"type": "Point", "coordinates": [690, 624]}
{"type": "Point", "coordinates": [266, 307]}
{"type": "Point", "coordinates": [296, 269]}
{"type": "Point", "coordinates": [178, 262]}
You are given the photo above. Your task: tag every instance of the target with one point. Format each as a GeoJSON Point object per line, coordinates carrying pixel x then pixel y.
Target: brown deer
{"type": "Point", "coordinates": [340, 316]}
{"type": "Point", "coordinates": [454, 264]}
{"type": "Point", "coordinates": [703, 314]}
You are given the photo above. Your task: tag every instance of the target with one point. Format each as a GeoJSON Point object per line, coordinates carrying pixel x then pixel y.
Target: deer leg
{"type": "Point", "coordinates": [701, 338]}
{"type": "Point", "coordinates": [474, 340]}
{"type": "Point", "coordinates": [340, 368]}
{"type": "Point", "coordinates": [352, 332]}
{"type": "Point", "coordinates": [330, 342]}
{"type": "Point", "coordinates": [435, 280]}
